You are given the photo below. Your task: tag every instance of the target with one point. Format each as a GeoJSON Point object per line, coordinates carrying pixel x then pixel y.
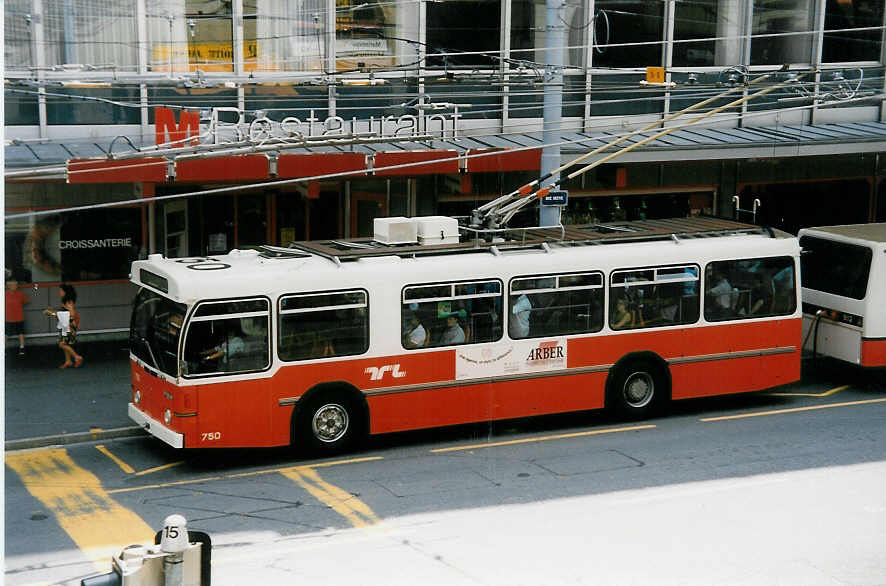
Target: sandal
{"type": "Point", "coordinates": [65, 365]}
{"type": "Point", "coordinates": [78, 362]}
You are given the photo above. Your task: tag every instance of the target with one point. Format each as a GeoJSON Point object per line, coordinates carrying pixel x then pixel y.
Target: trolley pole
{"type": "Point", "coordinates": [553, 103]}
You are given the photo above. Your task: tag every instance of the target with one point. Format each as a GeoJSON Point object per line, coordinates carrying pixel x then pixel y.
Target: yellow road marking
{"type": "Point", "coordinates": [241, 475]}
{"type": "Point", "coordinates": [95, 522]}
{"type": "Point", "coordinates": [341, 501]}
{"type": "Point", "coordinates": [123, 465]}
{"type": "Point", "coordinates": [159, 468]}
{"type": "Point", "coordinates": [824, 394]}
{"type": "Point", "coordinates": [541, 439]}
{"type": "Point", "coordinates": [794, 410]}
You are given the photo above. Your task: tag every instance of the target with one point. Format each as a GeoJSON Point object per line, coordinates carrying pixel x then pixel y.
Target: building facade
{"type": "Point", "coordinates": [231, 124]}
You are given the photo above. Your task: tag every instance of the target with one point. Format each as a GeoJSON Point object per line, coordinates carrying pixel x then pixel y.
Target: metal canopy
{"type": "Point", "coordinates": [695, 142]}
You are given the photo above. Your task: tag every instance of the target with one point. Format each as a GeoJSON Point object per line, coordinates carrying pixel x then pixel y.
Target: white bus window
{"type": "Point", "coordinates": [322, 325]}
{"type": "Point", "coordinates": [749, 288]}
{"type": "Point", "coordinates": [555, 305]}
{"type": "Point", "coordinates": [449, 314]}
{"type": "Point", "coordinates": [654, 297]}
{"type": "Point", "coordinates": [228, 337]}
{"type": "Point", "coordinates": [834, 267]}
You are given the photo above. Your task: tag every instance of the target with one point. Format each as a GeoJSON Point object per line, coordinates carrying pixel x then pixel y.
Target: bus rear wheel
{"type": "Point", "coordinates": [329, 423]}
{"type": "Point", "coordinates": [637, 388]}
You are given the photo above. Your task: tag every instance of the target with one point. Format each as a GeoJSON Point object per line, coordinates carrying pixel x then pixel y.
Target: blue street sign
{"type": "Point", "coordinates": [555, 198]}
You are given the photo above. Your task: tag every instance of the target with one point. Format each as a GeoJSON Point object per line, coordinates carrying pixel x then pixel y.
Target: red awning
{"type": "Point", "coordinates": [505, 160]}
{"type": "Point", "coordinates": [312, 164]}
{"type": "Point", "coordinates": [433, 164]}
{"type": "Point", "coordinates": [147, 170]}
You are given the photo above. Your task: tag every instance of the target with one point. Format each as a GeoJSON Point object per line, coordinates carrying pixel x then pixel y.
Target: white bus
{"type": "Point", "coordinates": [844, 292]}
{"type": "Point", "coordinates": [323, 342]}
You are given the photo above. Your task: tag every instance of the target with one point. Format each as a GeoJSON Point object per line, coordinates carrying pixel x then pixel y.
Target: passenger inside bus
{"type": "Point", "coordinates": [454, 333]}
{"type": "Point", "coordinates": [416, 336]}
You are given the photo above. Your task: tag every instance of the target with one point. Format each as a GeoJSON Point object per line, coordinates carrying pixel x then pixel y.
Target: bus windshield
{"type": "Point", "coordinates": [155, 329]}
{"type": "Point", "coordinates": [835, 267]}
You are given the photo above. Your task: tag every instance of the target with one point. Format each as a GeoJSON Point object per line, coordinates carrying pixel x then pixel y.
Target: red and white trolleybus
{"type": "Point", "coordinates": [320, 343]}
{"type": "Point", "coordinates": [844, 292]}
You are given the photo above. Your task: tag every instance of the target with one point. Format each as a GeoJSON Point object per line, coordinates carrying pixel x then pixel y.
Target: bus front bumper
{"type": "Point", "coordinates": [155, 428]}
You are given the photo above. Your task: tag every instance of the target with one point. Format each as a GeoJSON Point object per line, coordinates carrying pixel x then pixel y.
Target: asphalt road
{"type": "Point", "coordinates": [786, 488]}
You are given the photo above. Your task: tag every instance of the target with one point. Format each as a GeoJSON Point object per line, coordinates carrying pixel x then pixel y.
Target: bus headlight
{"type": "Point", "coordinates": [137, 397]}
{"type": "Point", "coordinates": [167, 416]}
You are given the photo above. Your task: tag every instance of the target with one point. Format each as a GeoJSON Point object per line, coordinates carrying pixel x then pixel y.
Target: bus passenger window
{"type": "Point", "coordinates": [555, 305]}
{"type": "Point", "coordinates": [449, 314]}
{"type": "Point", "coordinates": [654, 297]}
{"type": "Point", "coordinates": [228, 337]}
{"type": "Point", "coordinates": [749, 288]}
{"type": "Point", "coordinates": [323, 325]}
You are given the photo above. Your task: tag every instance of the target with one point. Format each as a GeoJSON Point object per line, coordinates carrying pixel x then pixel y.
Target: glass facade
{"type": "Point", "coordinates": [359, 60]}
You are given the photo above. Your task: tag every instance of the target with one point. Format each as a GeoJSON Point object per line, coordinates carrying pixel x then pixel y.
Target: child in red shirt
{"type": "Point", "coordinates": [15, 314]}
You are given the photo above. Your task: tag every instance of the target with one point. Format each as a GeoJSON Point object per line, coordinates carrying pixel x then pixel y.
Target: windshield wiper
{"type": "Point", "coordinates": [150, 350]}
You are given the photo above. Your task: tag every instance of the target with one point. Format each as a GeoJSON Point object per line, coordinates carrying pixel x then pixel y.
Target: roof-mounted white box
{"type": "Point", "coordinates": [437, 230]}
{"type": "Point", "coordinates": [396, 230]}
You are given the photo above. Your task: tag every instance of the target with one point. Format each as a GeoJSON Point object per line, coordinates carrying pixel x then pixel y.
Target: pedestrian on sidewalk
{"type": "Point", "coordinates": [15, 314]}
{"type": "Point", "coordinates": [68, 324]}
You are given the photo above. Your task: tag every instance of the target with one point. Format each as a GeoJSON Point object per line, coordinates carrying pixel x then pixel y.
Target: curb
{"type": "Point", "coordinates": [65, 439]}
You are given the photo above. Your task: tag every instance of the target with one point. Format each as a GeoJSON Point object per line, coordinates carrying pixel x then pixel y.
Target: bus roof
{"type": "Point", "coordinates": [867, 232]}
{"type": "Point", "coordinates": [327, 265]}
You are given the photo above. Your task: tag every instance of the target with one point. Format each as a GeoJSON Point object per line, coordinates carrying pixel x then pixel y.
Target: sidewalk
{"type": "Point", "coordinates": [48, 406]}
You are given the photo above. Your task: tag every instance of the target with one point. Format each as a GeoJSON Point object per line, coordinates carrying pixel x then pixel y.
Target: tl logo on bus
{"type": "Point", "coordinates": [378, 372]}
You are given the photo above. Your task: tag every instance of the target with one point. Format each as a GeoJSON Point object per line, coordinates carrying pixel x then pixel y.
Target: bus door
{"type": "Point", "coordinates": [227, 349]}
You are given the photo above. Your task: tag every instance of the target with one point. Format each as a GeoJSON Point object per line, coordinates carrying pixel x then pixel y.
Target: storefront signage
{"type": "Point", "coordinates": [92, 243]}
{"type": "Point", "coordinates": [263, 128]}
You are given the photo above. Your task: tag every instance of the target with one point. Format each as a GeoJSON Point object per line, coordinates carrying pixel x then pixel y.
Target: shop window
{"type": "Point", "coordinates": [218, 223]}
{"type": "Point", "coordinates": [528, 22]}
{"type": "Point", "coordinates": [87, 105]}
{"type": "Point", "coordinates": [783, 31]}
{"type": "Point", "coordinates": [290, 218]}
{"type": "Point", "coordinates": [841, 44]}
{"type": "Point", "coordinates": [76, 246]}
{"type": "Point", "coordinates": [96, 33]}
{"type": "Point", "coordinates": [20, 107]}
{"type": "Point", "coordinates": [622, 95]}
{"type": "Point", "coordinates": [708, 19]}
{"type": "Point", "coordinates": [252, 218]}
{"type": "Point", "coordinates": [16, 36]}
{"type": "Point", "coordinates": [288, 35]}
{"type": "Point", "coordinates": [635, 27]}
{"type": "Point", "coordinates": [190, 35]}
{"type": "Point", "coordinates": [460, 27]}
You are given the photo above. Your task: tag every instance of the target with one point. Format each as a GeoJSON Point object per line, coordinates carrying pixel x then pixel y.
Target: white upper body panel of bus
{"type": "Point", "coordinates": [246, 273]}
{"type": "Point", "coordinates": [873, 306]}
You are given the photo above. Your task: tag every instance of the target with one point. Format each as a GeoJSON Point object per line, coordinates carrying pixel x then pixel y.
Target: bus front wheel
{"type": "Point", "coordinates": [636, 389]}
{"type": "Point", "coordinates": [329, 423]}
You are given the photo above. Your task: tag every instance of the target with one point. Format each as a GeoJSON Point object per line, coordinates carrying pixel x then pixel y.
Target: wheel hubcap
{"type": "Point", "coordinates": [330, 423]}
{"type": "Point", "coordinates": [639, 389]}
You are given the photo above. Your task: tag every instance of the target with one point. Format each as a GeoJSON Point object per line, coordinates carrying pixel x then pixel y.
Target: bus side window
{"type": "Point", "coordinates": [555, 305]}
{"type": "Point", "coordinates": [654, 297]}
{"type": "Point", "coordinates": [750, 288]}
{"type": "Point", "coordinates": [228, 337]}
{"type": "Point", "coordinates": [449, 314]}
{"type": "Point", "coordinates": [323, 325]}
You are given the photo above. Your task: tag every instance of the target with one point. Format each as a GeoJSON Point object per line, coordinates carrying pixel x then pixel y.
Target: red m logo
{"type": "Point", "coordinates": [167, 131]}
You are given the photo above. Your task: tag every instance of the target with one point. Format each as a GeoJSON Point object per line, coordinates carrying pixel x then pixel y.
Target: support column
{"type": "Point", "coordinates": [553, 103]}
